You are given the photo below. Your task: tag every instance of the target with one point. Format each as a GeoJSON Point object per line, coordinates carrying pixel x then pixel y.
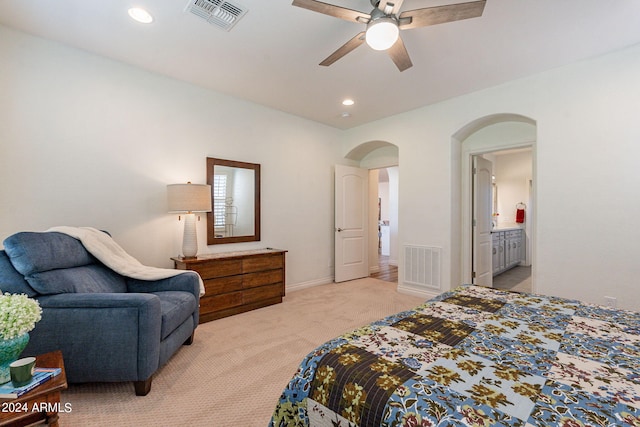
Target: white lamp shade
{"type": "Point", "coordinates": [189, 197]}
{"type": "Point", "coordinates": [382, 33]}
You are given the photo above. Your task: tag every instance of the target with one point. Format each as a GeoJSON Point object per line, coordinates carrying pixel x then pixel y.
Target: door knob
{"type": "Point", "coordinates": [338, 229]}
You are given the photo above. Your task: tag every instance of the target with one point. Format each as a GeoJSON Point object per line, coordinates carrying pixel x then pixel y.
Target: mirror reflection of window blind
{"type": "Point", "coordinates": [219, 197]}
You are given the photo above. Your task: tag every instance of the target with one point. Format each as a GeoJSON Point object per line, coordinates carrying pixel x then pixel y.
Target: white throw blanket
{"type": "Point", "coordinates": [108, 252]}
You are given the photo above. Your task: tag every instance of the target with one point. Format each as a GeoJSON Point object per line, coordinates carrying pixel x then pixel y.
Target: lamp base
{"type": "Point", "coordinates": [189, 239]}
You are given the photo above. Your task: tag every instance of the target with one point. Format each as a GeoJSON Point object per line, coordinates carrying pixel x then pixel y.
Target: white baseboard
{"type": "Point", "coordinates": [403, 288]}
{"type": "Point", "coordinates": [309, 284]}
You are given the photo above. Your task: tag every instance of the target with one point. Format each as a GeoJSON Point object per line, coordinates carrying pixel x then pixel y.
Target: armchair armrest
{"type": "Point", "coordinates": [96, 300]}
{"type": "Point", "coordinates": [188, 281]}
{"type": "Point", "coordinates": [103, 337]}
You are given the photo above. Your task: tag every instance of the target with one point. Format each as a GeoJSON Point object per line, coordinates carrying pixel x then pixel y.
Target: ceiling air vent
{"type": "Point", "coordinates": [220, 13]}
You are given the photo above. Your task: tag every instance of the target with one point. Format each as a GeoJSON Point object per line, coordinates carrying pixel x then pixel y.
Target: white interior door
{"type": "Point", "coordinates": [351, 232]}
{"type": "Point", "coordinates": [482, 206]}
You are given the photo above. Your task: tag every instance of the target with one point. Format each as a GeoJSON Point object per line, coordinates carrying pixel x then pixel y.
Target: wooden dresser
{"type": "Point", "coordinates": [236, 282]}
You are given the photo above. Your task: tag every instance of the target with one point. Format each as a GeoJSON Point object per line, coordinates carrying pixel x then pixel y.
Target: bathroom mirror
{"type": "Point", "coordinates": [235, 198]}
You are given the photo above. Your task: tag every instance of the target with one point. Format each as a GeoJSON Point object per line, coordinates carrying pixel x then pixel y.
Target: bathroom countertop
{"type": "Point", "coordinates": [495, 230]}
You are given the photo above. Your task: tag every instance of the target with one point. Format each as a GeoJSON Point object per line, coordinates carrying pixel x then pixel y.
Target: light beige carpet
{"type": "Point", "coordinates": [234, 372]}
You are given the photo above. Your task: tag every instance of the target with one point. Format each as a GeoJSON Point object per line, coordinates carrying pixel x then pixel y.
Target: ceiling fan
{"type": "Point", "coordinates": [385, 21]}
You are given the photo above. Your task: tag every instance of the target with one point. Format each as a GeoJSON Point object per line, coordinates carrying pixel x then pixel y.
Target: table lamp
{"type": "Point", "coordinates": [189, 198]}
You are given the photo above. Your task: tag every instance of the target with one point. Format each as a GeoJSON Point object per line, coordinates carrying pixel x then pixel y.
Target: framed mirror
{"type": "Point", "coordinates": [235, 199]}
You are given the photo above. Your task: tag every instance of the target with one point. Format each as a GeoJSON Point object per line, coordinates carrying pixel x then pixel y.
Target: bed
{"type": "Point", "coordinates": [475, 357]}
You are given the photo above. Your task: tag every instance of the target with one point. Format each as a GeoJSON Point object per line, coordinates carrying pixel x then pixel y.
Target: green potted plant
{"type": "Point", "coordinates": [18, 316]}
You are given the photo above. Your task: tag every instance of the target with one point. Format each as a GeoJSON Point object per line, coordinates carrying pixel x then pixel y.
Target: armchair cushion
{"type": "Point", "coordinates": [11, 281]}
{"type": "Point", "coordinates": [87, 278]}
{"type": "Point", "coordinates": [175, 307]}
{"type": "Point", "coordinates": [55, 263]}
{"type": "Point", "coordinates": [33, 252]}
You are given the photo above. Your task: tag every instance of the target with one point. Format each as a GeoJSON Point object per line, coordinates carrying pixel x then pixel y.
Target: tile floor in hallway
{"type": "Point", "coordinates": [517, 279]}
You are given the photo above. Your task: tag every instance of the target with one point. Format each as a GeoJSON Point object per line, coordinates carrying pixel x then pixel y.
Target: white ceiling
{"type": "Point", "coordinates": [270, 57]}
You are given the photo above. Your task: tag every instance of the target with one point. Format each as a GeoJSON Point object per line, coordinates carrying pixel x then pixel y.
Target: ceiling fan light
{"type": "Point", "coordinates": [382, 33]}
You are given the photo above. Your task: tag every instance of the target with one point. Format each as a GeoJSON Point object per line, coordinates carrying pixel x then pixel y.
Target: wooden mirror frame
{"type": "Point", "coordinates": [211, 239]}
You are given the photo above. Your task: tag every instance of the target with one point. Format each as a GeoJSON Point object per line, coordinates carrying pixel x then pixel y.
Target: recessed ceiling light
{"type": "Point", "coordinates": [348, 102]}
{"type": "Point", "coordinates": [140, 15]}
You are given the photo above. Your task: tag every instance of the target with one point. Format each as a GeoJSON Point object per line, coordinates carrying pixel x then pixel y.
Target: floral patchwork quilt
{"type": "Point", "coordinates": [475, 357]}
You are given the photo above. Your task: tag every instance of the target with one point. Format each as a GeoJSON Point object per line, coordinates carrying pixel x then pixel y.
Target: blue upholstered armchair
{"type": "Point", "coordinates": [109, 328]}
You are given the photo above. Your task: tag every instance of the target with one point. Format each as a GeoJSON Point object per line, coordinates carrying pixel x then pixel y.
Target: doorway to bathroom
{"type": "Point", "coordinates": [502, 214]}
{"type": "Point", "coordinates": [493, 137]}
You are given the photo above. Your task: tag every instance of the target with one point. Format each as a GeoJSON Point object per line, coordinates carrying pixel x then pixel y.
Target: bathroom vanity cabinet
{"type": "Point", "coordinates": [508, 249]}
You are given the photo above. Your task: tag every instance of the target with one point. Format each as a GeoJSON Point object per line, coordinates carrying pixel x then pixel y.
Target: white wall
{"type": "Point", "coordinates": [383, 195]}
{"type": "Point", "coordinates": [88, 141]}
{"type": "Point", "coordinates": [586, 168]}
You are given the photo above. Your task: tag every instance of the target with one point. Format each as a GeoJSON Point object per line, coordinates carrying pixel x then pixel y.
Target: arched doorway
{"type": "Point", "coordinates": [485, 135]}
{"type": "Point", "coordinates": [380, 158]}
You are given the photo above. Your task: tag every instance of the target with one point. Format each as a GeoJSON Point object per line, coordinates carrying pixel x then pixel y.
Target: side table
{"type": "Point", "coordinates": [40, 404]}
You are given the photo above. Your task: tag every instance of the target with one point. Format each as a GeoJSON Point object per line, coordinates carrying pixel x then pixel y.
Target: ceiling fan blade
{"type": "Point", "coordinates": [390, 7]}
{"type": "Point", "coordinates": [332, 10]}
{"type": "Point", "coordinates": [440, 14]}
{"type": "Point", "coordinates": [399, 55]}
{"type": "Point", "coordinates": [344, 49]}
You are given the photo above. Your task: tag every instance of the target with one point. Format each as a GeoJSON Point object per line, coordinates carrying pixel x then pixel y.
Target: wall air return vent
{"type": "Point", "coordinates": [220, 13]}
{"type": "Point", "coordinates": [422, 265]}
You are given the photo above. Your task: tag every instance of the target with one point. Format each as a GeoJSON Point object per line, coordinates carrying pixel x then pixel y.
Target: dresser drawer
{"type": "Point", "coordinates": [262, 263]}
{"type": "Point", "coordinates": [264, 278]}
{"type": "Point", "coordinates": [262, 293]}
{"type": "Point", "coordinates": [218, 269]}
{"type": "Point", "coordinates": [222, 285]}
{"type": "Point", "coordinates": [220, 302]}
